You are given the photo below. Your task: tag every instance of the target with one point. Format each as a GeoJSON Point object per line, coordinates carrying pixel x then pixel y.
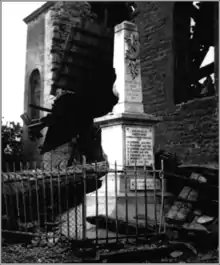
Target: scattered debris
{"type": "Point", "coordinates": [204, 219]}
{"type": "Point", "coordinates": [191, 234]}
{"type": "Point", "coordinates": [176, 254]}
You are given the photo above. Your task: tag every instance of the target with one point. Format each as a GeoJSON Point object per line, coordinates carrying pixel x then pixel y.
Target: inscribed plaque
{"type": "Point", "coordinates": [139, 184]}
{"type": "Point", "coordinates": [139, 146]}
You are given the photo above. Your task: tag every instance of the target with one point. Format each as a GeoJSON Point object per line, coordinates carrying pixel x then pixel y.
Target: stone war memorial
{"type": "Point", "coordinates": [67, 53]}
{"type": "Point", "coordinates": [127, 132]}
{"type": "Point", "coordinates": [124, 74]}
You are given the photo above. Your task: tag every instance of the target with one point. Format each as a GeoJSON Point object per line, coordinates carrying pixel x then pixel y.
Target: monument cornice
{"type": "Point", "coordinates": [121, 118]}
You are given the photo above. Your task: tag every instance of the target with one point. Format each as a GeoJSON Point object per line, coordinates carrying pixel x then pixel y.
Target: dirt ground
{"type": "Point", "coordinates": [65, 252]}
{"type": "Point", "coordinates": [29, 253]}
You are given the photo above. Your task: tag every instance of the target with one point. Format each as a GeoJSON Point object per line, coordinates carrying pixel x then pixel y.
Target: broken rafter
{"type": "Point", "coordinates": [25, 118]}
{"type": "Point", "coordinates": [198, 74]}
{"type": "Point", "coordinates": [39, 108]}
{"type": "Point", "coordinates": [44, 121]}
{"type": "Point", "coordinates": [35, 125]}
{"type": "Point", "coordinates": [198, 52]}
{"type": "Point", "coordinates": [204, 28]}
{"type": "Point", "coordinates": [194, 12]}
{"type": "Point", "coordinates": [206, 70]}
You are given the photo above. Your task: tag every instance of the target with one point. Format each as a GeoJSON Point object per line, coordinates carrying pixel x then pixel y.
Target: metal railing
{"type": "Point", "coordinates": [83, 204]}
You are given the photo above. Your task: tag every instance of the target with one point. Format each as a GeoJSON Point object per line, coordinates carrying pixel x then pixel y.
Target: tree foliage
{"type": "Point", "coordinates": [12, 149]}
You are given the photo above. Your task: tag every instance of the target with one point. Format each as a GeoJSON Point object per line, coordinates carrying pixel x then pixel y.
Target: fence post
{"type": "Point", "coordinates": [96, 201]}
{"type": "Point", "coordinates": [17, 198]}
{"type": "Point", "coordinates": [6, 201]}
{"type": "Point", "coordinates": [45, 199]}
{"type": "Point", "coordinates": [59, 201]}
{"type": "Point", "coordinates": [155, 197]}
{"type": "Point", "coordinates": [162, 197]}
{"type": "Point", "coordinates": [51, 196]}
{"type": "Point", "coordinates": [67, 201]}
{"type": "Point", "coordinates": [106, 203]}
{"type": "Point", "coordinates": [116, 201]}
{"type": "Point", "coordinates": [30, 194]}
{"type": "Point", "coordinates": [136, 200]}
{"type": "Point", "coordinates": [75, 206]}
{"type": "Point", "coordinates": [84, 198]}
{"type": "Point", "coordinates": [126, 202]}
{"type": "Point", "coordinates": [145, 197]}
{"type": "Point", "coordinates": [23, 197]}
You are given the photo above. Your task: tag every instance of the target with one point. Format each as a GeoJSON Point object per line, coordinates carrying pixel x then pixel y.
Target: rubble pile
{"type": "Point", "coordinates": [191, 223]}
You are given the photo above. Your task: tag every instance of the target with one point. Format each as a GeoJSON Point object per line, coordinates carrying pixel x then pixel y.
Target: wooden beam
{"type": "Point", "coordinates": [206, 70]}
{"type": "Point", "coordinates": [194, 12]}
{"type": "Point", "coordinates": [196, 75]}
{"type": "Point", "coordinates": [25, 118]}
{"type": "Point", "coordinates": [39, 125]}
{"type": "Point", "coordinates": [39, 107]}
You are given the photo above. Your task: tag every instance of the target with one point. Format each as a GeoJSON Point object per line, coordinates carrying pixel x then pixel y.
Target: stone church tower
{"type": "Point", "coordinates": [41, 29]}
{"type": "Point", "coordinates": [36, 73]}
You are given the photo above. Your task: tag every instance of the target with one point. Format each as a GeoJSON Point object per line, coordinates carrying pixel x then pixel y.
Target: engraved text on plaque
{"type": "Point", "coordinates": [139, 146]}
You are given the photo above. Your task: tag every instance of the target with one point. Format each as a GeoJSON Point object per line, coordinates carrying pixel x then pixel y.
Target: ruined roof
{"type": "Point", "coordinates": [95, 5]}
{"type": "Point", "coordinates": [38, 11]}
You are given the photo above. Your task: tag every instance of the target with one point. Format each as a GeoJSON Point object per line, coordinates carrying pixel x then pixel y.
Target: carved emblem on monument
{"type": "Point", "coordinates": [132, 54]}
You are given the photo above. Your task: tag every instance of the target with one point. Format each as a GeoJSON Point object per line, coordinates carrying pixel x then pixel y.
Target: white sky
{"type": "Point", "coordinates": [13, 56]}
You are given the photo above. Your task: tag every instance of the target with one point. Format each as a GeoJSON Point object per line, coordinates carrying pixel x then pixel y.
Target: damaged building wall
{"type": "Point", "coordinates": [58, 13]}
{"type": "Point", "coordinates": [59, 18]}
{"type": "Point", "coordinates": [63, 17]}
{"type": "Point", "coordinates": [191, 129]}
{"type": "Point", "coordinates": [34, 62]}
{"type": "Point", "coordinates": [43, 53]}
{"type": "Point", "coordinates": [69, 62]}
{"type": "Point", "coordinates": [216, 42]}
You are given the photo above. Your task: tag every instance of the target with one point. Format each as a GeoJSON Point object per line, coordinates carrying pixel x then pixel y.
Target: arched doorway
{"type": "Point", "coordinates": [35, 88]}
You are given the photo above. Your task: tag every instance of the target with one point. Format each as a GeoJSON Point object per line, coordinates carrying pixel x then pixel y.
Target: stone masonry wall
{"type": "Point", "coordinates": [34, 60]}
{"type": "Point", "coordinates": [58, 23]}
{"type": "Point", "coordinates": [55, 25]}
{"type": "Point", "coordinates": [63, 17]}
{"type": "Point", "coordinates": [190, 130]}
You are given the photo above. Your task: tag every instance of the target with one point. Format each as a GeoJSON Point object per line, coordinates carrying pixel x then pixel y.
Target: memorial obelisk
{"type": "Point", "coordinates": [127, 132]}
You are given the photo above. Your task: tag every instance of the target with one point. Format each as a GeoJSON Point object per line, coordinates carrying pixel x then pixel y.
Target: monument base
{"type": "Point", "coordinates": [117, 200]}
{"type": "Point", "coordinates": [128, 138]}
{"type": "Point", "coordinates": [128, 142]}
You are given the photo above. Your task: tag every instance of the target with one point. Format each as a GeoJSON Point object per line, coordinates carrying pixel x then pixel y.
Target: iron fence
{"type": "Point", "coordinates": [81, 203]}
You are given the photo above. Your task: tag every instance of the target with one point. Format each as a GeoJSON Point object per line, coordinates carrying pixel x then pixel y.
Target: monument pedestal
{"type": "Point", "coordinates": [128, 132]}
{"type": "Point", "coordinates": [128, 142]}
{"type": "Point", "coordinates": [127, 136]}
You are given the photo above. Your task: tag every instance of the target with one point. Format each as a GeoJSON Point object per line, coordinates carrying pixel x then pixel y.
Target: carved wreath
{"type": "Point", "coordinates": [132, 54]}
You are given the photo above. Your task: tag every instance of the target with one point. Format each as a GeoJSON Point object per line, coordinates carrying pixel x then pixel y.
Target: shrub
{"type": "Point", "coordinates": [12, 149]}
